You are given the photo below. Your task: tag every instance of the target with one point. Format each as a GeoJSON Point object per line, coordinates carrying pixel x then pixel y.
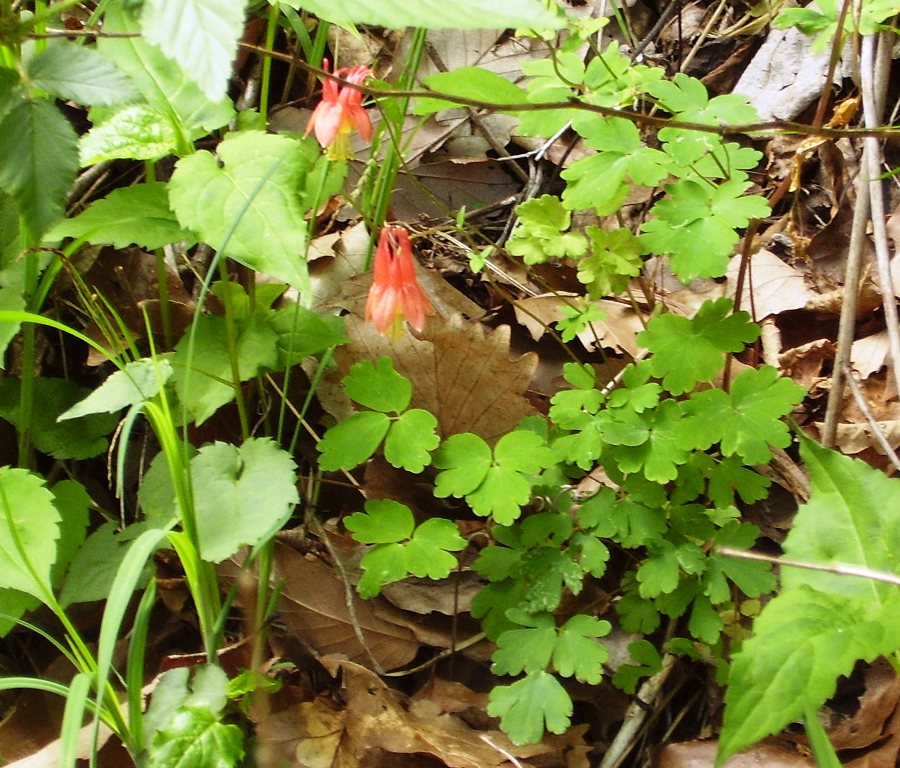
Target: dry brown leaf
{"type": "Point", "coordinates": [869, 354]}
{"type": "Point", "coordinates": [313, 605]}
{"type": "Point", "coordinates": [855, 438]}
{"type": "Point", "coordinates": [463, 375]}
{"type": "Point", "coordinates": [770, 286]}
{"type": "Point", "coordinates": [702, 754]}
{"type": "Point", "coordinates": [805, 364]}
{"type": "Point", "coordinates": [377, 719]}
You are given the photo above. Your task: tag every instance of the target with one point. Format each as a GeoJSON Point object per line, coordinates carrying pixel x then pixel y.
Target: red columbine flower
{"type": "Point", "coordinates": [339, 112]}
{"type": "Point", "coordinates": [395, 293]}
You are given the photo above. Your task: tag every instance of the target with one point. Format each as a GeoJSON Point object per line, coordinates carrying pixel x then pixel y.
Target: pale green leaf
{"type": "Point", "coordinates": [244, 201]}
{"type": "Point", "coordinates": [438, 14]}
{"type": "Point", "coordinates": [471, 83]}
{"type": "Point", "coordinates": [465, 459]}
{"type": "Point", "coordinates": [528, 704]}
{"type": "Point", "coordinates": [577, 653]}
{"type": "Point", "coordinates": [352, 441]}
{"type": "Point", "coordinates": [195, 738]}
{"type": "Point", "coordinates": [241, 495]}
{"type": "Point", "coordinates": [134, 132]}
{"type": "Point", "coordinates": [378, 386]}
{"type": "Point", "coordinates": [29, 529]}
{"type": "Point", "coordinates": [411, 439]}
{"type": "Point", "coordinates": [138, 215]}
{"type": "Point", "coordinates": [136, 383]}
{"type": "Point", "coordinates": [38, 161]}
{"type": "Point", "coordinates": [80, 74]}
{"type": "Point", "coordinates": [385, 521]}
{"type": "Point", "coordinates": [528, 649]}
{"type": "Point", "coordinates": [200, 35]}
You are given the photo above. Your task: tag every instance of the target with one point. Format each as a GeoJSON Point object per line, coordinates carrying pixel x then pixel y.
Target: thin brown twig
{"type": "Point", "coordinates": [877, 431]}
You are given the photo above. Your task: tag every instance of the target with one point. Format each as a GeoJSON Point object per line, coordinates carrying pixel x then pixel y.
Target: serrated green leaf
{"type": "Point", "coordinates": [384, 522]}
{"type": "Point", "coordinates": [525, 650]}
{"type": "Point", "coordinates": [138, 215]}
{"type": "Point", "coordinates": [530, 704]}
{"type": "Point", "coordinates": [689, 351]}
{"type": "Point", "coordinates": [133, 132]}
{"type": "Point", "coordinates": [80, 74]}
{"type": "Point", "coordinates": [437, 14]}
{"type": "Point", "coordinates": [136, 383]}
{"type": "Point", "coordinates": [29, 529]}
{"type": "Point", "coordinates": [471, 83]}
{"type": "Point", "coordinates": [242, 494]}
{"type": "Point", "coordinates": [244, 201]}
{"type": "Point", "coordinates": [378, 386]}
{"type": "Point", "coordinates": [162, 82]}
{"type": "Point", "coordinates": [411, 439]}
{"type": "Point", "coordinates": [200, 35]}
{"type": "Point", "coordinates": [465, 460]}
{"type": "Point", "coordinates": [38, 162]}
{"type": "Point", "coordinates": [350, 442]}
{"type": "Point", "coordinates": [195, 738]}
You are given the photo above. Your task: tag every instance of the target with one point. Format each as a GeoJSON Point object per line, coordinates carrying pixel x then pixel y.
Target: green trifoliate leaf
{"type": "Point", "coordinates": [200, 35]}
{"type": "Point", "coordinates": [729, 476]}
{"type": "Point", "coordinates": [29, 529]}
{"type": "Point", "coordinates": [746, 420]}
{"type": "Point", "coordinates": [38, 163]}
{"type": "Point", "coordinates": [687, 97]}
{"type": "Point", "coordinates": [659, 455]}
{"type": "Point", "coordinates": [577, 319]}
{"type": "Point", "coordinates": [378, 386]}
{"type": "Point", "coordinates": [694, 212]}
{"type": "Point", "coordinates": [689, 351]}
{"type": "Point", "coordinates": [528, 649]}
{"type": "Point", "coordinates": [411, 439]}
{"type": "Point", "coordinates": [384, 522]}
{"type": "Point", "coordinates": [136, 383]}
{"type": "Point", "coordinates": [541, 236]}
{"type": "Point", "coordinates": [352, 441]}
{"type": "Point", "coordinates": [465, 460]}
{"type": "Point", "coordinates": [599, 181]}
{"type": "Point", "coordinates": [134, 132]}
{"type": "Point", "coordinates": [138, 215]}
{"type": "Point", "coordinates": [472, 83]}
{"type": "Point", "coordinates": [244, 202]}
{"type": "Point", "coordinates": [530, 704]}
{"type": "Point", "coordinates": [577, 653]}
{"type": "Point", "coordinates": [545, 84]}
{"type": "Point", "coordinates": [80, 74]}
{"type": "Point", "coordinates": [614, 257]}
{"type": "Point", "coordinates": [384, 564]}
{"type": "Point", "coordinates": [242, 494]}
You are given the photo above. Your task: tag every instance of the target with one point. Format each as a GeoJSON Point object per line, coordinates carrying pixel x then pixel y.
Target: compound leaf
{"type": "Point", "coordinates": [384, 522]}
{"type": "Point", "coordinates": [528, 649]}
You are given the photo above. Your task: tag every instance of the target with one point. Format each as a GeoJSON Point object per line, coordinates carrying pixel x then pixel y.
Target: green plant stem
{"type": "Point", "coordinates": [231, 333]}
{"type": "Point", "coordinates": [266, 78]}
{"type": "Point", "coordinates": [390, 167]}
{"type": "Point", "coordinates": [162, 281]}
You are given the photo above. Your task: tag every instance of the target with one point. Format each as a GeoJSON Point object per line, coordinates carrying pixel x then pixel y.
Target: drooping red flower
{"type": "Point", "coordinates": [340, 111]}
{"type": "Point", "coordinates": [395, 294]}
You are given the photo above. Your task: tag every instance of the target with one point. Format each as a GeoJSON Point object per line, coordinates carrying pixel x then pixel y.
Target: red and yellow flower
{"type": "Point", "coordinates": [395, 294]}
{"type": "Point", "coordinates": [340, 112]}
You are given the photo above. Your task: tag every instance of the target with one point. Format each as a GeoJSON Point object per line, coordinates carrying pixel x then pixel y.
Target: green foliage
{"type": "Point", "coordinates": [401, 547]}
{"type": "Point", "coordinates": [471, 83]}
{"type": "Point", "coordinates": [137, 382]}
{"type": "Point", "coordinates": [80, 74]}
{"type": "Point", "coordinates": [409, 436]}
{"type": "Point", "coordinates": [822, 20]}
{"type": "Point", "coordinates": [540, 234]}
{"type": "Point", "coordinates": [529, 705]}
{"type": "Point", "coordinates": [821, 623]}
{"type": "Point", "coordinates": [183, 725]}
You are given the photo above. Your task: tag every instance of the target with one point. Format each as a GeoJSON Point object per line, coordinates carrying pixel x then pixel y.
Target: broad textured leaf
{"type": "Point", "coordinates": [526, 706]}
{"type": "Point", "coordinates": [437, 14]}
{"type": "Point", "coordinates": [802, 642]}
{"type": "Point", "coordinates": [80, 74]}
{"type": "Point", "coordinates": [378, 386]}
{"type": "Point", "coordinates": [350, 442]}
{"type": "Point", "coordinates": [38, 161]}
{"type": "Point", "coordinates": [411, 439]}
{"type": "Point", "coordinates": [203, 374]}
{"type": "Point", "coordinates": [133, 132]}
{"type": "Point", "coordinates": [195, 738]}
{"type": "Point", "coordinates": [689, 351]}
{"type": "Point", "coordinates": [136, 383]}
{"type": "Point", "coordinates": [138, 215]}
{"type": "Point", "coordinates": [73, 439]}
{"type": "Point", "coordinates": [29, 529]}
{"type": "Point", "coordinates": [244, 201]}
{"type": "Point", "coordinates": [162, 81]}
{"type": "Point", "coordinates": [200, 35]}
{"type": "Point", "coordinates": [241, 495]}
